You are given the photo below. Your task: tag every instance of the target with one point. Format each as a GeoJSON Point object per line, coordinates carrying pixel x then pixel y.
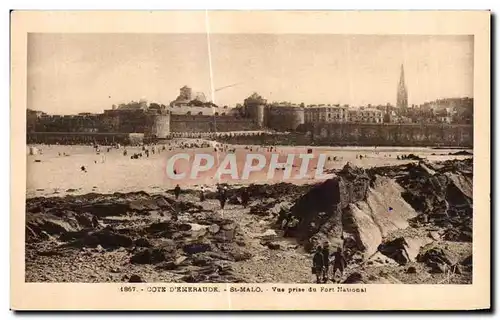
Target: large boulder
{"type": "Point", "coordinates": [135, 279]}
{"type": "Point", "coordinates": [38, 224]}
{"type": "Point", "coordinates": [74, 235]}
{"type": "Point", "coordinates": [142, 242]}
{"type": "Point", "coordinates": [396, 250]}
{"type": "Point", "coordinates": [107, 238]}
{"type": "Point", "coordinates": [354, 278]}
{"type": "Point", "coordinates": [404, 249]}
{"type": "Point", "coordinates": [319, 209]}
{"type": "Point", "coordinates": [362, 278]}
{"type": "Point", "coordinates": [356, 184]}
{"type": "Point", "coordinates": [106, 209]}
{"type": "Point", "coordinates": [365, 209]}
{"type": "Point", "coordinates": [85, 220]}
{"type": "Point", "coordinates": [445, 197]}
{"type": "Point", "coordinates": [438, 259]}
{"type": "Point", "coordinates": [383, 211]}
{"type": "Point", "coordinates": [148, 256]}
{"type": "Point", "coordinates": [163, 251]}
{"type": "Point", "coordinates": [196, 247]}
{"type": "Point", "coordinates": [460, 234]}
{"type": "Point", "coordinates": [165, 229]}
{"type": "Point", "coordinates": [144, 204]}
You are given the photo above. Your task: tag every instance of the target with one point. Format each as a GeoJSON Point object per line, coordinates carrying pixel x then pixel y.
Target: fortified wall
{"type": "Point", "coordinates": [406, 135]}
{"type": "Point", "coordinates": [89, 138]}
{"type": "Point", "coordinates": [390, 134]}
{"type": "Point", "coordinates": [198, 123]}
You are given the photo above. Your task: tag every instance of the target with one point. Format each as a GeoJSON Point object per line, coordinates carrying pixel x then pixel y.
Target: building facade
{"type": "Point", "coordinates": [193, 103]}
{"type": "Point", "coordinates": [326, 113]}
{"type": "Point", "coordinates": [365, 115]}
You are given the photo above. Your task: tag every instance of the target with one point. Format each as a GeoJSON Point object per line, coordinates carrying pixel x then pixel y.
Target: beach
{"type": "Point", "coordinates": [408, 223]}
{"type": "Point", "coordinates": [54, 174]}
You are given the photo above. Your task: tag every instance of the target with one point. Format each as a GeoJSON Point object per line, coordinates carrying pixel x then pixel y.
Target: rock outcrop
{"type": "Point", "coordinates": [362, 207]}
{"type": "Point", "coordinates": [382, 217]}
{"type": "Point", "coordinates": [354, 205]}
{"type": "Point", "coordinates": [383, 211]}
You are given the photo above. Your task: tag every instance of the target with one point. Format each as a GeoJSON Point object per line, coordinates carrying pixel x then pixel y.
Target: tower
{"type": "Point", "coordinates": [402, 99]}
{"type": "Point", "coordinates": [255, 107]}
{"type": "Point", "coordinates": [186, 93]}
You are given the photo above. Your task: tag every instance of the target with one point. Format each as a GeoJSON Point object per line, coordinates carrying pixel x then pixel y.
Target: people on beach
{"type": "Point", "coordinates": [202, 194]}
{"type": "Point", "coordinates": [318, 261]}
{"type": "Point", "coordinates": [290, 224]}
{"type": "Point", "coordinates": [339, 262]}
{"type": "Point", "coordinates": [222, 197]}
{"type": "Point", "coordinates": [83, 168]}
{"type": "Point", "coordinates": [283, 217]}
{"type": "Point", "coordinates": [326, 260]}
{"type": "Point", "coordinates": [245, 197]}
{"type": "Point", "coordinates": [177, 192]}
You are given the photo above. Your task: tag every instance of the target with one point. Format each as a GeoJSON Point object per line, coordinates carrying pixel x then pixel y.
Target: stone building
{"type": "Point", "coordinates": [365, 115]}
{"type": "Point", "coordinates": [326, 113]}
{"type": "Point", "coordinates": [193, 103]}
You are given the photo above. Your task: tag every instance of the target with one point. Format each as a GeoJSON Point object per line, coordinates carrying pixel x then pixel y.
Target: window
{"type": "Point", "coordinates": [200, 113]}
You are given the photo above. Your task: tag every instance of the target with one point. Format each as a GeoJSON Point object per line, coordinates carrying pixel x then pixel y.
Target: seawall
{"type": "Point", "coordinates": [391, 134]}
{"type": "Point", "coordinates": [405, 135]}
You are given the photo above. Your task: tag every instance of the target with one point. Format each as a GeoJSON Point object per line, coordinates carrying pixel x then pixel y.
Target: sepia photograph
{"type": "Point", "coordinates": [334, 160]}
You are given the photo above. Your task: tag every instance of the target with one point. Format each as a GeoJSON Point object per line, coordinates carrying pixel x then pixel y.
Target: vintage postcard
{"type": "Point", "coordinates": [250, 160]}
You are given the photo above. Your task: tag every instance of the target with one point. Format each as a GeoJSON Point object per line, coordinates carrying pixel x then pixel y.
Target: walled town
{"type": "Point", "coordinates": [394, 207]}
{"type": "Point", "coordinates": [446, 122]}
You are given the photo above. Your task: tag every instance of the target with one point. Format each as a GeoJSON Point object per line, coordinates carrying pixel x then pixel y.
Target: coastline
{"type": "Point", "coordinates": [112, 172]}
{"type": "Point", "coordinates": [160, 239]}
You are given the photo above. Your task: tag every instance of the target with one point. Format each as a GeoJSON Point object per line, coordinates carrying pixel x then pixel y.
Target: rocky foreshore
{"type": "Point", "coordinates": [410, 223]}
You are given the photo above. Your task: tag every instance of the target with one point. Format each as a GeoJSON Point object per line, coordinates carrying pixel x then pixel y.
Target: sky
{"type": "Point", "coordinates": [71, 73]}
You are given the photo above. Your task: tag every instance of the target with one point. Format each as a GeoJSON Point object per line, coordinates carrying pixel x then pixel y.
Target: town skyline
{"type": "Point", "coordinates": [101, 70]}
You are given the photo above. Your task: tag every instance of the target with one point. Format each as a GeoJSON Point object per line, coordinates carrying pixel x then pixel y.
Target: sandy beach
{"type": "Point", "coordinates": [108, 172]}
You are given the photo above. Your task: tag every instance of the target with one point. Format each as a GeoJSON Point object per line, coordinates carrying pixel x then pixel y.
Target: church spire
{"type": "Point", "coordinates": [402, 98]}
{"type": "Point", "coordinates": [402, 77]}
